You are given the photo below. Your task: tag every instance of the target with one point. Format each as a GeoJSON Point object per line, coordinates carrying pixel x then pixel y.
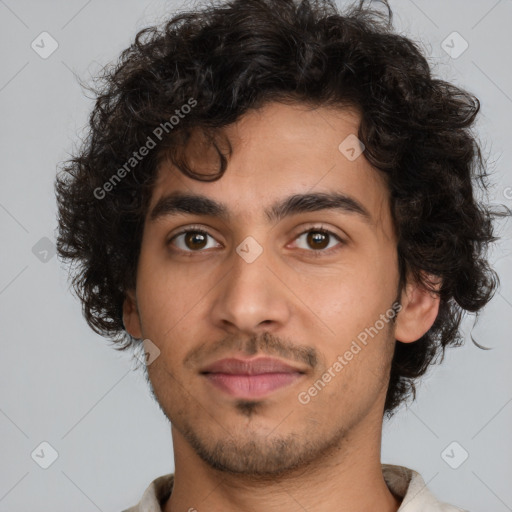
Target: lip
{"type": "Point", "coordinates": [255, 366]}
{"type": "Point", "coordinates": [251, 378]}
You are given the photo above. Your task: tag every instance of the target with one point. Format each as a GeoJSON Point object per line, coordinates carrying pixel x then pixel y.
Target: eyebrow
{"type": "Point", "coordinates": [178, 203]}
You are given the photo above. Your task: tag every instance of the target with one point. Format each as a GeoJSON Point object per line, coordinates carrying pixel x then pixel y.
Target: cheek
{"type": "Point", "coordinates": [163, 300]}
{"type": "Point", "coordinates": [375, 286]}
{"type": "Point", "coordinates": [172, 300]}
{"type": "Point", "coordinates": [168, 290]}
{"type": "Point", "coordinates": [342, 393]}
{"type": "Point", "coordinates": [353, 307]}
{"type": "Point", "coordinates": [352, 297]}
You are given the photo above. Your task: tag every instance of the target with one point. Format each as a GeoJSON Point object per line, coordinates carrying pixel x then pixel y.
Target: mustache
{"type": "Point", "coordinates": [265, 344]}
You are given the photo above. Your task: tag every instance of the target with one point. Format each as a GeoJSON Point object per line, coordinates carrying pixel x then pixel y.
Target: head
{"type": "Point", "coordinates": [276, 177]}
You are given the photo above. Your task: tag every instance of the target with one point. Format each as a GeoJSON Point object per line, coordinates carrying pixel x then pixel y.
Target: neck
{"type": "Point", "coordinates": [347, 479]}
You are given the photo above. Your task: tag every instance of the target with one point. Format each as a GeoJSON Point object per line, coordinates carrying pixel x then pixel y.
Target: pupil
{"type": "Point", "coordinates": [315, 236]}
{"type": "Point", "coordinates": [192, 238]}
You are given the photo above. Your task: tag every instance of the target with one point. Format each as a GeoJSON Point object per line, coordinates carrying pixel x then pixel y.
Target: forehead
{"type": "Point", "coordinates": [279, 150]}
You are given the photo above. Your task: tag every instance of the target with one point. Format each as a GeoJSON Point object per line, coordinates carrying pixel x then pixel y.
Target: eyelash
{"type": "Point", "coordinates": [314, 253]}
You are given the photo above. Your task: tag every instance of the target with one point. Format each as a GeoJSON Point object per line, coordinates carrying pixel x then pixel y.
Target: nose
{"type": "Point", "coordinates": [251, 298]}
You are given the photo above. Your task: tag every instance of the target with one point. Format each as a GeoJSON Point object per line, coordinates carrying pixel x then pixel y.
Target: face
{"type": "Point", "coordinates": [308, 283]}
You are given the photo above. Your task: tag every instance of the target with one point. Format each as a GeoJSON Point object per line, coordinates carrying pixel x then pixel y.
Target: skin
{"type": "Point", "coordinates": [199, 306]}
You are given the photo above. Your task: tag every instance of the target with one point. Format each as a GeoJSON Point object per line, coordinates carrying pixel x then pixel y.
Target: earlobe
{"type": "Point", "coordinates": [419, 311]}
{"type": "Point", "coordinates": [131, 319]}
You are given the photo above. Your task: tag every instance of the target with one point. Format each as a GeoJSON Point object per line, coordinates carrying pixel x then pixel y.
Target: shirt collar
{"type": "Point", "coordinates": [405, 483]}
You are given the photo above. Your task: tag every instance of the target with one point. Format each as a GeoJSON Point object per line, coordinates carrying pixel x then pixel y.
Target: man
{"type": "Point", "coordinates": [277, 201]}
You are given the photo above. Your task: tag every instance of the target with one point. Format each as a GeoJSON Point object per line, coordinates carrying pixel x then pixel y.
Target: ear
{"type": "Point", "coordinates": [419, 310]}
{"type": "Point", "coordinates": [131, 319]}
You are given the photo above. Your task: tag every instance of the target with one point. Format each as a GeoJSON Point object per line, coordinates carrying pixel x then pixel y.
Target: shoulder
{"type": "Point", "coordinates": [409, 485]}
{"type": "Point", "coordinates": [155, 495]}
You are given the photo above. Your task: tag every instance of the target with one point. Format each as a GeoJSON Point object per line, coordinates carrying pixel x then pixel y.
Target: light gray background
{"type": "Point", "coordinates": [62, 384]}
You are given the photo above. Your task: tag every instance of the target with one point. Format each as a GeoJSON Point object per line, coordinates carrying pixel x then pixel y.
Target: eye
{"type": "Point", "coordinates": [319, 239]}
{"type": "Point", "coordinates": [191, 240]}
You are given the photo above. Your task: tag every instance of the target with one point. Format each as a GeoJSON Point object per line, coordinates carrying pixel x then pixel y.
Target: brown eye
{"type": "Point", "coordinates": [191, 240]}
{"type": "Point", "coordinates": [195, 240]}
{"type": "Point", "coordinates": [318, 239]}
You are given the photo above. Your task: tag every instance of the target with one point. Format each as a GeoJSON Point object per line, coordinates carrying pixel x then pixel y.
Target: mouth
{"type": "Point", "coordinates": [251, 378]}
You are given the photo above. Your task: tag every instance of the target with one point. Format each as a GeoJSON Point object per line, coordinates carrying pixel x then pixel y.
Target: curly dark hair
{"type": "Point", "coordinates": [229, 57]}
